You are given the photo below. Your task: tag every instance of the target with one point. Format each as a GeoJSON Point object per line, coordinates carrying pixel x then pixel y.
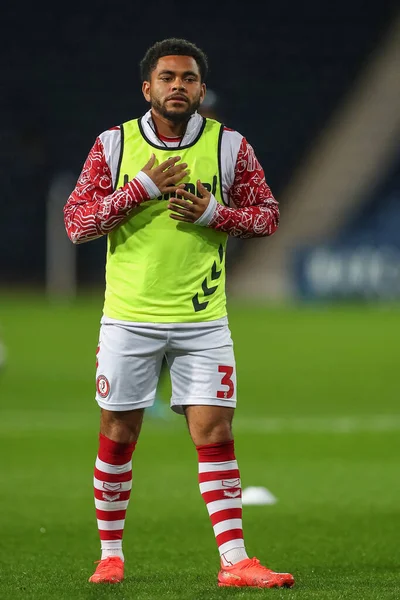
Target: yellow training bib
{"type": "Point", "coordinates": [158, 269]}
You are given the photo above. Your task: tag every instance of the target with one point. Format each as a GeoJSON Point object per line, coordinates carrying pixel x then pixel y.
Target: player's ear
{"type": "Point", "coordinates": [202, 92]}
{"type": "Point", "coordinates": [146, 90]}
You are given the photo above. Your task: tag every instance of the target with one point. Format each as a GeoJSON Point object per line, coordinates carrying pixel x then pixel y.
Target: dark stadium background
{"type": "Point", "coordinates": [279, 70]}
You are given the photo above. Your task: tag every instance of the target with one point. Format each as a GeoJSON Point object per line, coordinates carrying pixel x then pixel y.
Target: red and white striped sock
{"type": "Point", "coordinates": [112, 489]}
{"type": "Point", "coordinates": [220, 486]}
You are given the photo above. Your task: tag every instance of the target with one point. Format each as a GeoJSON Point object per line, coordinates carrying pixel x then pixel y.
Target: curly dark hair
{"type": "Point", "coordinates": [169, 47]}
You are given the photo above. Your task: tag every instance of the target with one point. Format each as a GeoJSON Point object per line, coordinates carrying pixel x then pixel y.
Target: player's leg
{"type": "Point", "coordinates": [203, 374]}
{"type": "Point", "coordinates": [210, 428]}
{"type": "Point", "coordinates": [160, 408]}
{"type": "Point", "coordinates": [220, 487]}
{"type": "Point", "coordinates": [204, 388]}
{"type": "Point", "coordinates": [128, 365]}
{"type": "Point", "coordinates": [119, 432]}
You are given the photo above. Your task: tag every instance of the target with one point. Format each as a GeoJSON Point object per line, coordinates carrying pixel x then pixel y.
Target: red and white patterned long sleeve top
{"type": "Point", "coordinates": [95, 208]}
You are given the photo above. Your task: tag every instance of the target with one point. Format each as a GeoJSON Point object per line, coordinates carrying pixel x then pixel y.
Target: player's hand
{"type": "Point", "coordinates": [167, 175]}
{"type": "Point", "coordinates": [186, 206]}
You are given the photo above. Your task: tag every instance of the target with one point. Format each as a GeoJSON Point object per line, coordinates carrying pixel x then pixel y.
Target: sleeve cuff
{"type": "Point", "coordinates": [148, 185]}
{"type": "Point", "coordinates": [208, 214]}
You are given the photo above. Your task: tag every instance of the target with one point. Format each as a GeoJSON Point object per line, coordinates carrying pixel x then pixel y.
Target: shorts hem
{"type": "Point", "coordinates": [122, 407]}
{"type": "Point", "coordinates": [177, 404]}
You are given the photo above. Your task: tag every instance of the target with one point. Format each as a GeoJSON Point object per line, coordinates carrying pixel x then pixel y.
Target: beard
{"type": "Point", "coordinates": [176, 116]}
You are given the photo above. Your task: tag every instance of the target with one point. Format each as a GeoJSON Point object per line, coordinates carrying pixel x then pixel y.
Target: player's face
{"type": "Point", "coordinates": [175, 90]}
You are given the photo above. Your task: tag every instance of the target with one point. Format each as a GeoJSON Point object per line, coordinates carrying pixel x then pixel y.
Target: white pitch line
{"type": "Point", "coordinates": [333, 424]}
{"type": "Point", "coordinates": [12, 421]}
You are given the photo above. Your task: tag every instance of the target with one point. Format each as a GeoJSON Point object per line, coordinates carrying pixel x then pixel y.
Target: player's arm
{"type": "Point", "coordinates": [94, 209]}
{"type": "Point", "coordinates": [255, 212]}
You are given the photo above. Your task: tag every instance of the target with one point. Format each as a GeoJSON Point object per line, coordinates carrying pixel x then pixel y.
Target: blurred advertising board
{"type": "Point", "coordinates": [369, 272]}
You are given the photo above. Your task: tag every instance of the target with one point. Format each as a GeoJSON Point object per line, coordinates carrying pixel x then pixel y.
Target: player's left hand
{"type": "Point", "coordinates": [189, 207]}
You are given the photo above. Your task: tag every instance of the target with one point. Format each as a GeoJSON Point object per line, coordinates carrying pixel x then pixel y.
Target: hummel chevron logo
{"type": "Point", "coordinates": [111, 487]}
{"type": "Point", "coordinates": [198, 305]}
{"type": "Point", "coordinates": [209, 290]}
{"type": "Point", "coordinates": [206, 290]}
{"type": "Point", "coordinates": [231, 494]}
{"type": "Point", "coordinates": [111, 498]}
{"type": "Point", "coordinates": [214, 273]}
{"type": "Point", "coordinates": [231, 482]}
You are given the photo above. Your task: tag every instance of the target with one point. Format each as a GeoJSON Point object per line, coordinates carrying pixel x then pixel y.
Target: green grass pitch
{"type": "Point", "coordinates": [318, 424]}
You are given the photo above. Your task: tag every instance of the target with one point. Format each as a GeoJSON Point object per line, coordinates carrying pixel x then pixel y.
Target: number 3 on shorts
{"type": "Point", "coordinates": [226, 381]}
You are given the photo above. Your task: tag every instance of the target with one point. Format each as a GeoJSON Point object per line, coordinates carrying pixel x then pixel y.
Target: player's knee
{"type": "Point", "coordinates": [212, 433]}
{"type": "Point", "coordinates": [121, 426]}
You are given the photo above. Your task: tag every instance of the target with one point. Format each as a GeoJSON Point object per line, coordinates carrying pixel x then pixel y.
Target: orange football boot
{"type": "Point", "coordinates": [250, 573]}
{"type": "Point", "coordinates": [109, 570]}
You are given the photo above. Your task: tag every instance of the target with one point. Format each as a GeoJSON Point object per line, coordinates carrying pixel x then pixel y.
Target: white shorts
{"type": "Point", "coordinates": [200, 358]}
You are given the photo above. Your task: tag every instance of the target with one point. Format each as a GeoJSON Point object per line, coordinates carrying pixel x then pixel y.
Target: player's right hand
{"type": "Point", "coordinates": [167, 175]}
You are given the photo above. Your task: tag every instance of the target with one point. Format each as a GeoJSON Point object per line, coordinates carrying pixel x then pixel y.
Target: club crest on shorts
{"type": "Point", "coordinates": [103, 386]}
